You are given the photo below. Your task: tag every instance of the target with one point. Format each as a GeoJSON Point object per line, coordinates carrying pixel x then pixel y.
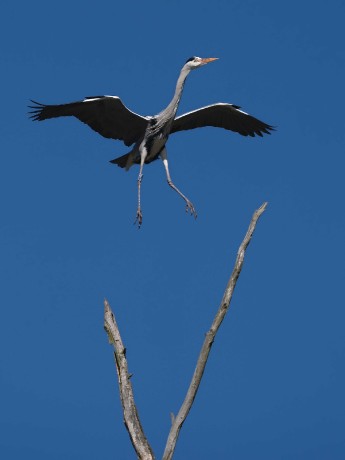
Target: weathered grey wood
{"type": "Point", "coordinates": [206, 347]}
{"type": "Point", "coordinates": [131, 417]}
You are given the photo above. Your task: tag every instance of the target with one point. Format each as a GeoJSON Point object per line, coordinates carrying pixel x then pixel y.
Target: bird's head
{"type": "Point", "coordinates": [195, 62]}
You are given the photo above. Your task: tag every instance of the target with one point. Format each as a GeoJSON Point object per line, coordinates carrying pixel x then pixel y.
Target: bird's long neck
{"type": "Point", "coordinates": [172, 107]}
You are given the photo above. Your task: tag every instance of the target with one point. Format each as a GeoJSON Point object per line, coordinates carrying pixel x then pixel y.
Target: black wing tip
{"type": "Point", "coordinates": [258, 131]}
{"type": "Point", "coordinates": [266, 129]}
{"type": "Point", "coordinates": [34, 117]}
{"type": "Point", "coordinates": [258, 127]}
{"type": "Point", "coordinates": [37, 103]}
{"type": "Point", "coordinates": [36, 113]}
{"type": "Point", "coordinates": [269, 129]}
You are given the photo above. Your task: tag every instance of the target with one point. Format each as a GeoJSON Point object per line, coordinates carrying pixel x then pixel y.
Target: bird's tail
{"type": "Point", "coordinates": [121, 161]}
{"type": "Point", "coordinates": [127, 160]}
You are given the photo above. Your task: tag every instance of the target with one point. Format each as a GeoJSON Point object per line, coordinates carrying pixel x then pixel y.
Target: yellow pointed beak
{"type": "Point", "coordinates": [207, 60]}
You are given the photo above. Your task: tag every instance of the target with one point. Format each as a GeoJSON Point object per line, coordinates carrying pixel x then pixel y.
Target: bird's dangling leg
{"type": "Point", "coordinates": [189, 205]}
{"type": "Point", "coordinates": [139, 216]}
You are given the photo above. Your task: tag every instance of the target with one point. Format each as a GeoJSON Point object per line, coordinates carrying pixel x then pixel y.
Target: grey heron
{"type": "Point", "coordinates": [112, 119]}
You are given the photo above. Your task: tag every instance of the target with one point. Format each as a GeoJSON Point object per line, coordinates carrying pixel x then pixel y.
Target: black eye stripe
{"type": "Point", "coordinates": [191, 59]}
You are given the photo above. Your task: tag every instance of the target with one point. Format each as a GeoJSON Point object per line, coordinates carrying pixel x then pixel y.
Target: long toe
{"type": "Point", "coordinates": [139, 218]}
{"type": "Point", "coordinates": [190, 208]}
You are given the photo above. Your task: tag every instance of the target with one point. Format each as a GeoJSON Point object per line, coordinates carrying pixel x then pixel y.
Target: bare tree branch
{"type": "Point", "coordinates": [131, 417]}
{"type": "Point", "coordinates": [210, 336]}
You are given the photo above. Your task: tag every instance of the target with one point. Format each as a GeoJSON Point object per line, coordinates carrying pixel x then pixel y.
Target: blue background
{"type": "Point", "coordinates": [274, 384]}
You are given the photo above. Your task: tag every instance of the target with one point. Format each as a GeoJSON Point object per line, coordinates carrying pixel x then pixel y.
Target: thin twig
{"type": "Point", "coordinates": [210, 336]}
{"type": "Point", "coordinates": [131, 417]}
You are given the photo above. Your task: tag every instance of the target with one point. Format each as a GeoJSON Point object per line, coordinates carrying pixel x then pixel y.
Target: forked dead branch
{"type": "Point", "coordinates": [131, 418]}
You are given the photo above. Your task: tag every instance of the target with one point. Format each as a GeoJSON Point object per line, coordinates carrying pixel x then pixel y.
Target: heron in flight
{"type": "Point", "coordinates": [112, 119]}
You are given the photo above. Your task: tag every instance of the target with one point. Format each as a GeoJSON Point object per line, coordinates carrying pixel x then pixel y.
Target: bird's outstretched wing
{"type": "Point", "coordinates": [221, 115]}
{"type": "Point", "coordinates": [105, 114]}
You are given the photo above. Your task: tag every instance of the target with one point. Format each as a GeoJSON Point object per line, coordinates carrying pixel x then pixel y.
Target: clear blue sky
{"type": "Point", "coordinates": [274, 384]}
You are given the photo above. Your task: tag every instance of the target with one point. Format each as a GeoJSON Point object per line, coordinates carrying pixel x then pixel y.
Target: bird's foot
{"type": "Point", "coordinates": [139, 218]}
{"type": "Point", "coordinates": [190, 208]}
